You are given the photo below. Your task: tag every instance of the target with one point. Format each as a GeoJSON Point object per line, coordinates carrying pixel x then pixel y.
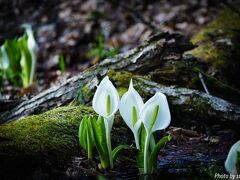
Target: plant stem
{"type": "Point", "coordinates": [107, 126]}
{"type": "Point", "coordinates": [89, 146]}
{"type": "Point", "coordinates": [136, 140]}
{"type": "Point", "coordinates": [33, 67]}
{"type": "Point", "coordinates": [146, 153]}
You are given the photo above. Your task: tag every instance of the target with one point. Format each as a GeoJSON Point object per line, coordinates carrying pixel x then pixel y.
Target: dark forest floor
{"type": "Point", "coordinates": [72, 28]}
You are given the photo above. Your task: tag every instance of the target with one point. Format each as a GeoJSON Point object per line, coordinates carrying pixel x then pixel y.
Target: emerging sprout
{"type": "Point", "coordinates": [130, 107]}
{"type": "Point", "coordinates": [232, 162]}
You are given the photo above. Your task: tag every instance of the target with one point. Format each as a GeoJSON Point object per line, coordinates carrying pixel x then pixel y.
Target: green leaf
{"type": "Point", "coordinates": [82, 133]}
{"type": "Point", "coordinates": [86, 138]}
{"type": "Point", "coordinates": [26, 61]}
{"type": "Point", "coordinates": [152, 142]}
{"type": "Point", "coordinates": [99, 133]}
{"type": "Point", "coordinates": [61, 62]}
{"type": "Point", "coordinates": [117, 150]}
{"type": "Point", "coordinates": [13, 52]}
{"type": "Point", "coordinates": [153, 156]}
{"type": "Point", "coordinates": [90, 138]}
{"type": "Point", "coordinates": [100, 51]}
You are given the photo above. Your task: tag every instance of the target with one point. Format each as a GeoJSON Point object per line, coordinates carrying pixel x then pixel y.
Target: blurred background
{"type": "Point", "coordinates": [74, 35]}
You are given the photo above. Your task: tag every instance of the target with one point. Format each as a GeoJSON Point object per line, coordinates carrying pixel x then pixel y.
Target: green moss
{"type": "Point", "coordinates": [121, 91]}
{"type": "Point", "coordinates": [121, 79]}
{"type": "Point", "coordinates": [180, 73]}
{"type": "Point", "coordinates": [210, 171]}
{"type": "Point", "coordinates": [200, 107]}
{"type": "Point", "coordinates": [218, 45]}
{"type": "Point", "coordinates": [227, 23]}
{"type": "Point", "coordinates": [53, 132]}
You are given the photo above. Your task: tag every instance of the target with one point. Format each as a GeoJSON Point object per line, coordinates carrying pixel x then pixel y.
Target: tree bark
{"type": "Point", "coordinates": [158, 50]}
{"type": "Point", "coordinates": [187, 106]}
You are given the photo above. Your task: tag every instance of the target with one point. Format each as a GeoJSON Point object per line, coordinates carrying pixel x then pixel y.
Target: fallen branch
{"type": "Point", "coordinates": [160, 49]}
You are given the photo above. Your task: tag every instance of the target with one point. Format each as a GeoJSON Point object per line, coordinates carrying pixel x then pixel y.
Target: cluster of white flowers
{"type": "Point", "coordinates": [154, 114]}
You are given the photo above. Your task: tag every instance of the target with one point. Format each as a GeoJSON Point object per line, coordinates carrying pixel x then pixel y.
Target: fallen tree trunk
{"type": "Point", "coordinates": [218, 46]}
{"type": "Point", "coordinates": [187, 106]}
{"type": "Point", "coordinates": [159, 50]}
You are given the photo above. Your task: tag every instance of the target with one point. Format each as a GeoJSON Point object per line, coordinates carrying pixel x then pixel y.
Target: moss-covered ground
{"type": "Point", "coordinates": [54, 132]}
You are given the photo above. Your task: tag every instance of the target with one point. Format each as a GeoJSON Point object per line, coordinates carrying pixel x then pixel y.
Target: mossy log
{"type": "Point", "coordinates": [160, 49]}
{"type": "Point", "coordinates": [216, 58]}
{"type": "Point", "coordinates": [186, 73]}
{"type": "Point", "coordinates": [49, 142]}
{"type": "Point", "coordinates": [187, 106]}
{"type": "Point", "coordinates": [218, 46]}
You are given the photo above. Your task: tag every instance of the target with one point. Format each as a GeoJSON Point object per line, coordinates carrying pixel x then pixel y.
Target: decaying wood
{"type": "Point", "coordinates": [159, 49]}
{"type": "Point", "coordinates": [186, 105]}
{"type": "Point", "coordinates": [196, 105]}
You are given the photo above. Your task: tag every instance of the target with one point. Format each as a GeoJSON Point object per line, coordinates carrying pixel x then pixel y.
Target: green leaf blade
{"type": "Point", "coordinates": [117, 150]}
{"type": "Point", "coordinates": [153, 156]}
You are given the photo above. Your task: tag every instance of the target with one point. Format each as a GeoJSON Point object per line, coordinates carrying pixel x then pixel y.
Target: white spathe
{"type": "Point", "coordinates": [32, 44]}
{"type": "Point", "coordinates": [4, 60]}
{"type": "Point", "coordinates": [104, 90]}
{"type": "Point", "coordinates": [129, 100]}
{"type": "Point", "coordinates": [231, 161]}
{"type": "Point", "coordinates": [163, 117]}
{"type": "Point", "coordinates": [33, 49]}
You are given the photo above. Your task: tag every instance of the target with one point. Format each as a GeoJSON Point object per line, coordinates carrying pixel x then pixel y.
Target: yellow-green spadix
{"type": "Point", "coordinates": [106, 99]}
{"type": "Point", "coordinates": [155, 113]}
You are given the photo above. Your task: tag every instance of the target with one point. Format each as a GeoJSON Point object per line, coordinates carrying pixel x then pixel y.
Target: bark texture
{"type": "Point", "coordinates": [160, 49]}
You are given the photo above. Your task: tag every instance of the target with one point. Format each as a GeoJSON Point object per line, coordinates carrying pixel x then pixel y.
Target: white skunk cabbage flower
{"type": "Point", "coordinates": [155, 116]}
{"type": "Point", "coordinates": [4, 60]}
{"type": "Point", "coordinates": [33, 49]}
{"type": "Point", "coordinates": [130, 107]}
{"type": "Point", "coordinates": [105, 103]}
{"type": "Point", "coordinates": [231, 161]}
{"type": "Point", "coordinates": [32, 44]}
{"type": "Point", "coordinates": [106, 99]}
